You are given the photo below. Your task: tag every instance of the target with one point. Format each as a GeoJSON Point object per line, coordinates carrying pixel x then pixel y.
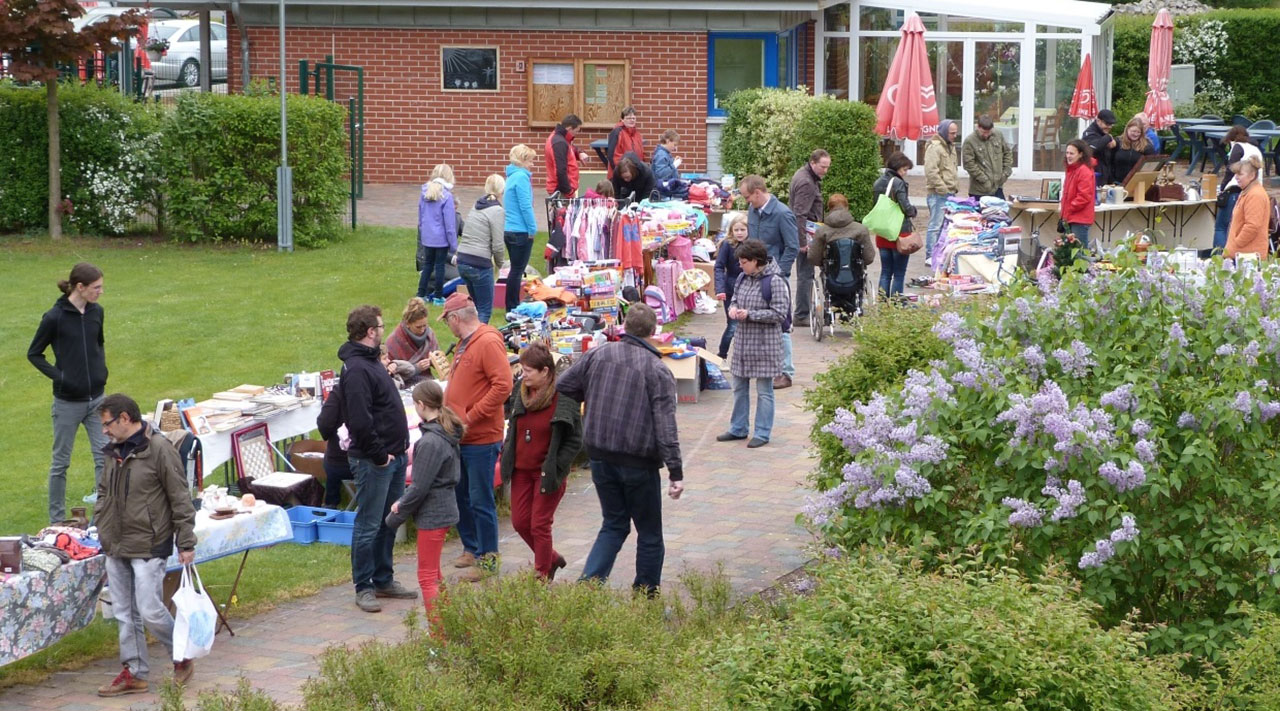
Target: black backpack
{"type": "Point", "coordinates": [841, 274]}
{"type": "Point", "coordinates": [766, 290]}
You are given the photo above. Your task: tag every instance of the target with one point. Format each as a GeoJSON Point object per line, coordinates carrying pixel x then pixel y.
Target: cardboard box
{"type": "Point", "coordinates": [689, 375]}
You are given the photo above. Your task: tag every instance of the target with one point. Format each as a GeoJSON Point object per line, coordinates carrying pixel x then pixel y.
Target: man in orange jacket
{"type": "Point", "coordinates": [479, 384]}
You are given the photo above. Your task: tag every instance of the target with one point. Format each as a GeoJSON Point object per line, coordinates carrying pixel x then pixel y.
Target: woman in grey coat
{"type": "Point", "coordinates": [761, 303]}
{"type": "Point", "coordinates": [431, 501]}
{"type": "Point", "coordinates": [481, 250]}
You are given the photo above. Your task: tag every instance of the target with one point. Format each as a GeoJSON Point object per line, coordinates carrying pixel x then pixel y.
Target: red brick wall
{"type": "Point", "coordinates": [411, 125]}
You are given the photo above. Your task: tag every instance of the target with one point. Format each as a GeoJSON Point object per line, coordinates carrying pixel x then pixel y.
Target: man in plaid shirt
{"type": "Point", "coordinates": [630, 433]}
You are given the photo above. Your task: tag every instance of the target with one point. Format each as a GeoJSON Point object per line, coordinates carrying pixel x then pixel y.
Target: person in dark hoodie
{"type": "Point", "coordinates": [480, 248]}
{"type": "Point", "coordinates": [633, 175]}
{"type": "Point", "coordinates": [430, 502]}
{"type": "Point", "coordinates": [1102, 144]}
{"type": "Point", "coordinates": [379, 430]}
{"type": "Point", "coordinates": [73, 326]}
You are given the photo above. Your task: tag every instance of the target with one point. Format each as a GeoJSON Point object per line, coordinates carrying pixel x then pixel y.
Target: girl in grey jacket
{"type": "Point", "coordinates": [430, 499]}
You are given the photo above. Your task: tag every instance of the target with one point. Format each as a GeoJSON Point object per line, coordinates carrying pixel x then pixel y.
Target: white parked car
{"type": "Point", "coordinates": [181, 63]}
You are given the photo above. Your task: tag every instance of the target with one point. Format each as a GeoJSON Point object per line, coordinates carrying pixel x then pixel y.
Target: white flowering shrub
{"type": "Point", "coordinates": [1125, 422]}
{"type": "Point", "coordinates": [1203, 45]}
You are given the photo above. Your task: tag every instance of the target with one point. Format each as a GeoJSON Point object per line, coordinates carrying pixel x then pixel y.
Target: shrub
{"type": "Point", "coordinates": [1125, 422]}
{"type": "Point", "coordinates": [1250, 678]}
{"type": "Point", "coordinates": [879, 632]}
{"type": "Point", "coordinates": [223, 151]}
{"type": "Point", "coordinates": [890, 340]}
{"type": "Point", "coordinates": [846, 129]}
{"type": "Point", "coordinates": [109, 158]}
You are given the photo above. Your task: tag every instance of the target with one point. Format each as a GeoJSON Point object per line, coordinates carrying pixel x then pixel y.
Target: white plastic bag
{"type": "Point", "coordinates": [195, 619]}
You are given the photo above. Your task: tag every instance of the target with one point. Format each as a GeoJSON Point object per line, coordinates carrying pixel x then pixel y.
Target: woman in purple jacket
{"type": "Point", "coordinates": [437, 232]}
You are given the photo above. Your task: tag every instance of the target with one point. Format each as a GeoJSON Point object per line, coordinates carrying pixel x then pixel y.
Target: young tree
{"type": "Point", "coordinates": [38, 36]}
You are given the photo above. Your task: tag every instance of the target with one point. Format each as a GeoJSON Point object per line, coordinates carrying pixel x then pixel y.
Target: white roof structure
{"type": "Point", "coordinates": [1086, 16]}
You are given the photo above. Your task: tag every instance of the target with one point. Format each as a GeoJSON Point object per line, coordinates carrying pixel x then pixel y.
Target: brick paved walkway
{"type": "Point", "coordinates": [738, 510]}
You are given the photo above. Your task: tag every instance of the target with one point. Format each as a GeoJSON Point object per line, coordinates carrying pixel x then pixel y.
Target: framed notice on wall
{"type": "Point", "coordinates": [595, 89]}
{"type": "Point", "coordinates": [469, 68]}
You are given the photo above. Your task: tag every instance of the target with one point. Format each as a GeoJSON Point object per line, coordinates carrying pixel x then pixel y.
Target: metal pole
{"type": "Point", "coordinates": [284, 176]}
{"type": "Point", "coordinates": [351, 122]}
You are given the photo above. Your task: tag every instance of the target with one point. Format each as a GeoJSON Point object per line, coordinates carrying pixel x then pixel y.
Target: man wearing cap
{"type": "Point", "coordinates": [479, 385]}
{"type": "Point", "coordinates": [1098, 136]}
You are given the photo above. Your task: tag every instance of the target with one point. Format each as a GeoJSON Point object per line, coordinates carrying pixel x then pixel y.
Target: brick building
{"type": "Point", "coordinates": [461, 82]}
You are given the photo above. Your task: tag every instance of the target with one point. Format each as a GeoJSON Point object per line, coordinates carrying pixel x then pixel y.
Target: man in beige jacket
{"type": "Point", "coordinates": [940, 180]}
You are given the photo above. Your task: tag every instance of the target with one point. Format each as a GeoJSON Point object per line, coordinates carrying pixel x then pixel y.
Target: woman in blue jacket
{"type": "Point", "coordinates": [437, 231]}
{"type": "Point", "coordinates": [521, 223]}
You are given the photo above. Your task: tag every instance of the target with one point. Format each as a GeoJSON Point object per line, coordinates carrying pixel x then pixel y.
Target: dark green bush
{"type": "Point", "coordinates": [889, 341]}
{"type": "Point", "coordinates": [110, 166]}
{"type": "Point", "coordinates": [846, 129]}
{"type": "Point", "coordinates": [223, 151]}
{"type": "Point", "coordinates": [878, 632]}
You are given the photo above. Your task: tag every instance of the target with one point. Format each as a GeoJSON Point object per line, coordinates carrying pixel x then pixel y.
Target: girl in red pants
{"type": "Point", "coordinates": [430, 501]}
{"type": "Point", "coordinates": [544, 434]}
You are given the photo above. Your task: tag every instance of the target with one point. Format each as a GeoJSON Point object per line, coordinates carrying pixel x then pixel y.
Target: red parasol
{"type": "Point", "coordinates": [908, 108]}
{"type": "Point", "coordinates": [1084, 100]}
{"type": "Point", "coordinates": [1159, 108]}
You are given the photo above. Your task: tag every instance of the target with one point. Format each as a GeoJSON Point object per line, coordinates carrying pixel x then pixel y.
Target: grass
{"type": "Point", "coordinates": [186, 321]}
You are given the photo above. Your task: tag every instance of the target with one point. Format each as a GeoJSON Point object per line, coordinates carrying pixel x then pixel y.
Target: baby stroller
{"type": "Point", "coordinates": [839, 294]}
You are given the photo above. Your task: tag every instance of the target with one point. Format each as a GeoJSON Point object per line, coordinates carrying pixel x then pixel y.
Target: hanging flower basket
{"type": "Point", "coordinates": [156, 49]}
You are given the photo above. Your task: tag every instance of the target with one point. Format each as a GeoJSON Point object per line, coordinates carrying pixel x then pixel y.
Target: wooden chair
{"type": "Point", "coordinates": [1045, 138]}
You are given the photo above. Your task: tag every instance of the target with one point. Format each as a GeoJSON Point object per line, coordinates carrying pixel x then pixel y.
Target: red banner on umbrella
{"type": "Point", "coordinates": [1159, 108]}
{"type": "Point", "coordinates": [908, 107]}
{"type": "Point", "coordinates": [1084, 100]}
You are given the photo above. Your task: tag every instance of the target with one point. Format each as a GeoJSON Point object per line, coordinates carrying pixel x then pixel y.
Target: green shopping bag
{"type": "Point", "coordinates": [885, 218]}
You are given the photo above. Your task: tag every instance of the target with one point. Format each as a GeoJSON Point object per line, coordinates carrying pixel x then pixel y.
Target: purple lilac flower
{"type": "Point", "coordinates": [1034, 358]}
{"type": "Point", "coordinates": [1103, 550]}
{"type": "Point", "coordinates": [1187, 421]}
{"type": "Point", "coordinates": [911, 484]}
{"type": "Point", "coordinates": [1069, 498]}
{"type": "Point", "coordinates": [803, 585]}
{"type": "Point", "coordinates": [1025, 514]}
{"type": "Point", "coordinates": [1271, 329]}
{"type": "Point", "coordinates": [949, 326]}
{"type": "Point", "coordinates": [1243, 403]}
{"type": "Point", "coordinates": [1123, 479]}
{"type": "Point", "coordinates": [1146, 451]}
{"type": "Point", "coordinates": [923, 393]}
{"type": "Point", "coordinates": [1268, 409]}
{"type": "Point", "coordinates": [1139, 428]}
{"type": "Point", "coordinates": [1250, 353]}
{"type": "Point", "coordinates": [1023, 306]}
{"type": "Point", "coordinates": [967, 379]}
{"type": "Point", "coordinates": [1128, 530]}
{"type": "Point", "coordinates": [1232, 313]}
{"type": "Point", "coordinates": [1177, 335]}
{"type": "Point", "coordinates": [1225, 349]}
{"type": "Point", "coordinates": [833, 552]}
{"type": "Point", "coordinates": [1122, 399]}
{"type": "Point", "coordinates": [1076, 361]}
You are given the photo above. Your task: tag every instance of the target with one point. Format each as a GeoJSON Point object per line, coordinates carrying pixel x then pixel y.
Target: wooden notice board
{"type": "Point", "coordinates": [595, 89]}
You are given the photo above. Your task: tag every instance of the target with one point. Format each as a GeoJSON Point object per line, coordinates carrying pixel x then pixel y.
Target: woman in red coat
{"type": "Point", "coordinates": [1079, 191]}
{"type": "Point", "coordinates": [624, 139]}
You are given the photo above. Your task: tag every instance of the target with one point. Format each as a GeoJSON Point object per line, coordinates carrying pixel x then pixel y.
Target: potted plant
{"type": "Point", "coordinates": [156, 48]}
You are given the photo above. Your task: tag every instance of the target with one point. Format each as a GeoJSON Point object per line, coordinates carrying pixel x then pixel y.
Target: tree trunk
{"type": "Point", "coordinates": [55, 160]}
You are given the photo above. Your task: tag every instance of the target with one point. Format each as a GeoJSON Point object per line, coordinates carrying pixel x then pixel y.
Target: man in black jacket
{"type": "Point", "coordinates": [1098, 136]}
{"type": "Point", "coordinates": [375, 419]}
{"type": "Point", "coordinates": [79, 374]}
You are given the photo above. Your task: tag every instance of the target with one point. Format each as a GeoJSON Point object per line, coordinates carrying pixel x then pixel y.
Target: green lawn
{"type": "Point", "coordinates": [186, 321]}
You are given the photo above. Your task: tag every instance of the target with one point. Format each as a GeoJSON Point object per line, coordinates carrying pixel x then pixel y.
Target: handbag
{"type": "Point", "coordinates": [910, 244]}
{"type": "Point", "coordinates": [195, 618]}
{"type": "Point", "coordinates": [885, 218]}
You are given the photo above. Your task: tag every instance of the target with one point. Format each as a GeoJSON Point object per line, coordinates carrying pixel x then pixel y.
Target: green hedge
{"type": "Point", "coordinates": [771, 132]}
{"type": "Point", "coordinates": [222, 155]}
{"type": "Point", "coordinates": [1253, 79]}
{"type": "Point", "coordinates": [109, 158]}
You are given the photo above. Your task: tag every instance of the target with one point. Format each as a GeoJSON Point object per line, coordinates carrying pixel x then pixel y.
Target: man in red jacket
{"type": "Point", "coordinates": [479, 384]}
{"type": "Point", "coordinates": [562, 158]}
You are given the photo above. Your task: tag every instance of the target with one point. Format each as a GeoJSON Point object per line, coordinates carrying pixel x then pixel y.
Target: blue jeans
{"type": "Point", "coordinates": [519, 247]}
{"type": "Point", "coordinates": [372, 541]}
{"type": "Point", "coordinates": [627, 495]}
{"type": "Point", "coordinates": [742, 407]}
{"type": "Point", "coordinates": [937, 205]}
{"type": "Point", "coordinates": [1082, 233]}
{"type": "Point", "coordinates": [477, 511]}
{"type": "Point", "coordinates": [788, 368]}
{"type": "Point", "coordinates": [480, 286]}
{"type": "Point", "coordinates": [1222, 225]}
{"type": "Point", "coordinates": [730, 328]}
{"type": "Point", "coordinates": [437, 258]}
{"type": "Point", "coordinates": [893, 271]}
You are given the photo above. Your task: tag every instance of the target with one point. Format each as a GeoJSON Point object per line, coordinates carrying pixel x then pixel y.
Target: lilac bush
{"type": "Point", "coordinates": [1124, 421]}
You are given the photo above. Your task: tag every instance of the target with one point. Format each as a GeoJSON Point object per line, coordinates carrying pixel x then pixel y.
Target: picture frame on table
{"type": "Point", "coordinates": [1051, 189]}
{"type": "Point", "coordinates": [1148, 164]}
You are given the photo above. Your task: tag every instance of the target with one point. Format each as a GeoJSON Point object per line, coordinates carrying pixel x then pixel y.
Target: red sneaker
{"type": "Point", "coordinates": [124, 683]}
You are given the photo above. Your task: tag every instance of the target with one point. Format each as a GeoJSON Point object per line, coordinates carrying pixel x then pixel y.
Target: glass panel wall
{"type": "Point", "coordinates": [995, 87]}
{"type": "Point", "coordinates": [1057, 65]}
{"type": "Point", "coordinates": [959, 23]}
{"type": "Point", "coordinates": [836, 62]}
{"type": "Point", "coordinates": [946, 60]}
{"type": "Point", "coordinates": [836, 18]}
{"type": "Point", "coordinates": [879, 19]}
{"type": "Point", "coordinates": [876, 54]}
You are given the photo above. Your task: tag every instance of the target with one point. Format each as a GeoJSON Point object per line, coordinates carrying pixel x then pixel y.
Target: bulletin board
{"type": "Point", "coordinates": [595, 89]}
{"type": "Point", "coordinates": [552, 90]}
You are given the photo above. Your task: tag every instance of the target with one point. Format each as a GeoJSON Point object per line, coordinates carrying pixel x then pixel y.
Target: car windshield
{"type": "Point", "coordinates": [163, 32]}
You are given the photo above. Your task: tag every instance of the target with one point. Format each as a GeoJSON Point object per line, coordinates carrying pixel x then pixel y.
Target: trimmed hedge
{"type": "Point", "coordinates": [109, 158]}
{"type": "Point", "coordinates": [1243, 67]}
{"type": "Point", "coordinates": [222, 156]}
{"type": "Point", "coordinates": [771, 132]}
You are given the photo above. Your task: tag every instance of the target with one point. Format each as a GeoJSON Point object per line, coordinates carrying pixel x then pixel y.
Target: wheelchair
{"type": "Point", "coordinates": [840, 292]}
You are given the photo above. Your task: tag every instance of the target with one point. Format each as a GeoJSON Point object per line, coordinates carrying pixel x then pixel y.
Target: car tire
{"type": "Point", "coordinates": [189, 73]}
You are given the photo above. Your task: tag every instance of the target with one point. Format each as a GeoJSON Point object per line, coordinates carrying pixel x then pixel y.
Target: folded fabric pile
{"type": "Point", "coordinates": [972, 226]}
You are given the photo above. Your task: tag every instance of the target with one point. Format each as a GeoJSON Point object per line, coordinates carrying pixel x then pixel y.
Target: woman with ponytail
{"type": "Point", "coordinates": [544, 434]}
{"type": "Point", "coordinates": [430, 501]}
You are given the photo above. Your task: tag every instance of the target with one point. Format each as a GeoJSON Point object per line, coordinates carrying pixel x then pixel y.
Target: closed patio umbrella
{"type": "Point", "coordinates": [908, 107]}
{"type": "Point", "coordinates": [1159, 107]}
{"type": "Point", "coordinates": [1084, 101]}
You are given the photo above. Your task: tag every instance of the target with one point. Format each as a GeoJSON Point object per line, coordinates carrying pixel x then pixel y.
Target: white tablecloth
{"type": "Point", "coordinates": [263, 526]}
{"type": "Point", "coordinates": [294, 423]}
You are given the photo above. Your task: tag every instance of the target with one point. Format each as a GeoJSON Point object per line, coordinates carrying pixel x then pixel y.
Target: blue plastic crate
{"type": "Point", "coordinates": [305, 519]}
{"type": "Point", "coordinates": [337, 529]}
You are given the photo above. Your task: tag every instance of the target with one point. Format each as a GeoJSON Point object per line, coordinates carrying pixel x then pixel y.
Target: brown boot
{"type": "Point", "coordinates": [182, 671]}
{"type": "Point", "coordinates": [471, 575]}
{"type": "Point", "coordinates": [466, 560]}
{"type": "Point", "coordinates": [124, 683]}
